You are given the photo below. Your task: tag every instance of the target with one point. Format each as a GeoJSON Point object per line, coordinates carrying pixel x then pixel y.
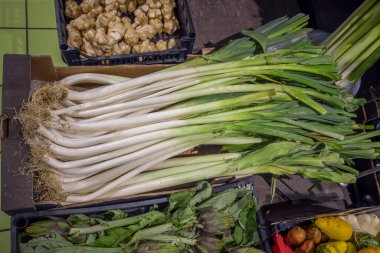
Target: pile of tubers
{"type": "Point", "coordinates": [101, 27]}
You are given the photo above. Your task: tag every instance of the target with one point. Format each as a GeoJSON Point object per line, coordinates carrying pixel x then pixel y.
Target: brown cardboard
{"type": "Point", "coordinates": [17, 189]}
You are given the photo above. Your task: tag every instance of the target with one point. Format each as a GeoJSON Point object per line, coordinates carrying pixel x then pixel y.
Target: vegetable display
{"type": "Point", "coordinates": [329, 235]}
{"type": "Point", "coordinates": [355, 45]}
{"type": "Point", "coordinates": [196, 220]}
{"type": "Point", "coordinates": [273, 112]}
{"type": "Point", "coordinates": [114, 27]}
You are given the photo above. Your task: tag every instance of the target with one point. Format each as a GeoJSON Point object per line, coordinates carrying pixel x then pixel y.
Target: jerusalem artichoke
{"type": "Point", "coordinates": [89, 49]}
{"type": "Point", "coordinates": [104, 19]}
{"type": "Point", "coordinates": [116, 29]}
{"type": "Point", "coordinates": [154, 4]}
{"type": "Point", "coordinates": [72, 9]}
{"type": "Point", "coordinates": [144, 8]}
{"type": "Point", "coordinates": [98, 28]}
{"type": "Point", "coordinates": [157, 24]}
{"type": "Point", "coordinates": [167, 11]}
{"type": "Point", "coordinates": [131, 37]}
{"type": "Point", "coordinates": [103, 41]}
{"type": "Point", "coordinates": [140, 17]}
{"type": "Point", "coordinates": [83, 22]}
{"type": "Point", "coordinates": [92, 6]}
{"type": "Point", "coordinates": [171, 43]}
{"type": "Point", "coordinates": [89, 34]}
{"type": "Point", "coordinates": [154, 13]}
{"type": "Point", "coordinates": [171, 2]}
{"type": "Point", "coordinates": [146, 32]}
{"type": "Point", "coordinates": [136, 48]}
{"type": "Point", "coordinates": [74, 38]}
{"type": "Point", "coordinates": [170, 26]}
{"type": "Point", "coordinates": [147, 46]}
{"type": "Point", "coordinates": [161, 45]}
{"type": "Point", "coordinates": [127, 22]}
{"type": "Point", "coordinates": [123, 6]}
{"type": "Point", "coordinates": [132, 6]}
{"type": "Point", "coordinates": [121, 48]}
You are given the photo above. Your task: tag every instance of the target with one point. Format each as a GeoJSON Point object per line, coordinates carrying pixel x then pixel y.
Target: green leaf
{"type": "Point", "coordinates": [44, 244]}
{"type": "Point", "coordinates": [306, 100]}
{"type": "Point", "coordinates": [184, 217]}
{"type": "Point", "coordinates": [204, 191]}
{"type": "Point", "coordinates": [90, 239]}
{"type": "Point", "coordinates": [248, 225]}
{"type": "Point", "coordinates": [238, 234]}
{"type": "Point", "coordinates": [113, 215]}
{"type": "Point", "coordinates": [262, 39]}
{"type": "Point", "coordinates": [272, 152]}
{"type": "Point", "coordinates": [180, 199]}
{"type": "Point", "coordinates": [273, 186]}
{"type": "Point", "coordinates": [112, 236]}
{"type": "Point", "coordinates": [234, 50]}
{"type": "Point", "coordinates": [245, 202]}
{"type": "Point", "coordinates": [80, 220]}
{"type": "Point", "coordinates": [221, 200]}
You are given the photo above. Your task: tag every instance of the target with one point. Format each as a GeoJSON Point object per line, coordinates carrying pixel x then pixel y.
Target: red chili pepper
{"type": "Point", "coordinates": [279, 244]}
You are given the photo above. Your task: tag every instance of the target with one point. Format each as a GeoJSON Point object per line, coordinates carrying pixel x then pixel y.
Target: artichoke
{"type": "Point", "coordinates": [215, 222]}
{"type": "Point", "coordinates": [245, 250]}
{"type": "Point", "coordinates": [157, 247]}
{"type": "Point", "coordinates": [44, 227]}
{"type": "Point", "coordinates": [209, 244]}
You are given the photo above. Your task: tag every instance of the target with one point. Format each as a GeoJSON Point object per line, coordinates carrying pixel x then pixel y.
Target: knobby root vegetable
{"type": "Point", "coordinates": [121, 48]}
{"type": "Point", "coordinates": [131, 37]}
{"type": "Point", "coordinates": [171, 43]}
{"type": "Point", "coordinates": [104, 19]}
{"type": "Point", "coordinates": [72, 9]}
{"type": "Point", "coordinates": [146, 32]}
{"type": "Point", "coordinates": [83, 22]}
{"type": "Point", "coordinates": [157, 24]}
{"type": "Point", "coordinates": [116, 29]}
{"type": "Point", "coordinates": [99, 26]}
{"type": "Point", "coordinates": [91, 6]}
{"type": "Point", "coordinates": [74, 38]}
{"type": "Point", "coordinates": [161, 45]}
{"type": "Point", "coordinates": [140, 17]}
{"type": "Point", "coordinates": [170, 26]}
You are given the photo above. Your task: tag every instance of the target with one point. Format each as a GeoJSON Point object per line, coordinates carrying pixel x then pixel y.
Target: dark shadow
{"type": "Point", "coordinates": [272, 9]}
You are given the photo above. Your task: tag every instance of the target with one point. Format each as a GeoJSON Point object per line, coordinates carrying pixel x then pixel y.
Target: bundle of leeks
{"type": "Point", "coordinates": [274, 112]}
{"type": "Point", "coordinates": [355, 45]}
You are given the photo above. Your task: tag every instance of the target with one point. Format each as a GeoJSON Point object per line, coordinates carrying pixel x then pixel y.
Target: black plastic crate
{"type": "Point", "coordinates": [185, 37]}
{"type": "Point", "coordinates": [301, 218]}
{"type": "Point", "coordinates": [22, 220]}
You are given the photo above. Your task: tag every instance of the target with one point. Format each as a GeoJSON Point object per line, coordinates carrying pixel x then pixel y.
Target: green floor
{"type": "Point", "coordinates": [26, 27]}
